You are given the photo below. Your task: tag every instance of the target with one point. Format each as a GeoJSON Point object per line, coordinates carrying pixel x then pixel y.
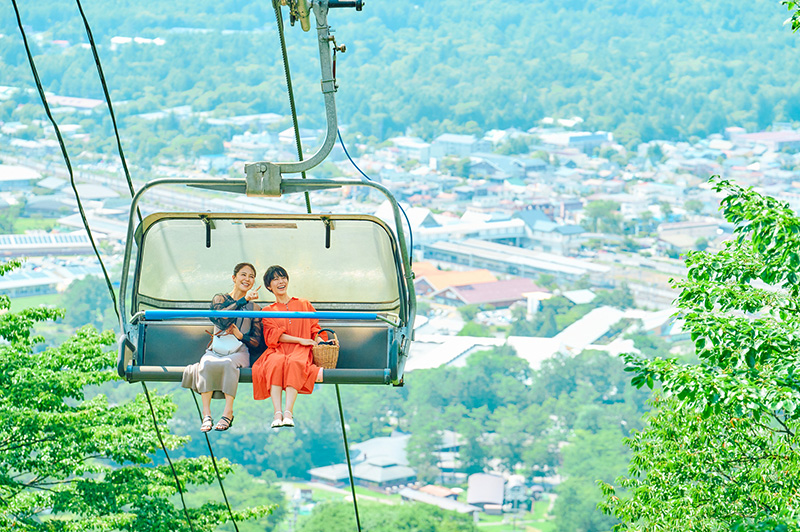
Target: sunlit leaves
{"type": "Point", "coordinates": [720, 450]}
{"type": "Point", "coordinates": [793, 7]}
{"type": "Point", "coordinates": [71, 463]}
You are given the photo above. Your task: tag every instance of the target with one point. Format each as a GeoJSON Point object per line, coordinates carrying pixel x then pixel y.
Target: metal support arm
{"type": "Point", "coordinates": [264, 178]}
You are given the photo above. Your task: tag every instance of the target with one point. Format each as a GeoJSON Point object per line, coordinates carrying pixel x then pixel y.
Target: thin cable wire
{"type": "Point", "coordinates": [347, 454]}
{"type": "Point", "coordinates": [65, 155]}
{"type": "Point", "coordinates": [108, 101]}
{"type": "Point", "coordinates": [279, 18]}
{"type": "Point", "coordinates": [138, 212]}
{"type": "Point", "coordinates": [83, 214]}
{"type": "Point", "coordinates": [285, 55]}
{"type": "Point", "coordinates": [214, 461]}
{"type": "Point", "coordinates": [368, 178]}
{"type": "Point", "coordinates": [164, 447]}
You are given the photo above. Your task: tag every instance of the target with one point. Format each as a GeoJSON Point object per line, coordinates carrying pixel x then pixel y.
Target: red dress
{"type": "Point", "coordinates": [286, 364]}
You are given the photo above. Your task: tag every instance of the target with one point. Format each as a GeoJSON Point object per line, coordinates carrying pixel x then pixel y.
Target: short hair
{"type": "Point", "coordinates": [272, 273]}
{"type": "Point", "coordinates": [238, 267]}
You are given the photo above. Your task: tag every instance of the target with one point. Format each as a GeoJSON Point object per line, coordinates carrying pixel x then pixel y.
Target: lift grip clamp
{"type": "Point", "coordinates": [358, 4]}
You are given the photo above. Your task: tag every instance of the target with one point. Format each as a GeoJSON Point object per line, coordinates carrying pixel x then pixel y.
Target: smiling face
{"type": "Point", "coordinates": [244, 279]}
{"type": "Point", "coordinates": [279, 285]}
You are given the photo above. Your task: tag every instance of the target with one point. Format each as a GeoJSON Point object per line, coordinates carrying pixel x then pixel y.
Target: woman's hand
{"type": "Point", "coordinates": [252, 295]}
{"type": "Point", "coordinates": [306, 341]}
{"type": "Point", "coordinates": [234, 330]}
{"type": "Point", "coordinates": [319, 339]}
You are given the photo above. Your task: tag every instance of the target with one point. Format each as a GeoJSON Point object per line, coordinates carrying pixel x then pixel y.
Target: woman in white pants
{"type": "Point", "coordinates": [217, 373]}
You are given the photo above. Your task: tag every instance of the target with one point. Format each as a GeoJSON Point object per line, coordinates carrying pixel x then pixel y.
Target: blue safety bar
{"type": "Point", "coordinates": [325, 315]}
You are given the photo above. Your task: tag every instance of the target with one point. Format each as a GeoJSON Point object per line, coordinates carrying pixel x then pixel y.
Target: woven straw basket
{"type": "Point", "coordinates": [326, 356]}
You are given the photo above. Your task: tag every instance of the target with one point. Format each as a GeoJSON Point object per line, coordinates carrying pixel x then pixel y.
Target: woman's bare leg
{"type": "Point", "coordinates": [275, 393]}
{"type": "Point", "coordinates": [205, 397]}
{"type": "Point", "coordinates": [291, 395]}
{"type": "Point", "coordinates": [319, 376]}
{"type": "Point", "coordinates": [228, 412]}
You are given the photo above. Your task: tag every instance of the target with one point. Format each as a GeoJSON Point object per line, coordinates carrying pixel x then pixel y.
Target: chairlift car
{"type": "Point", "coordinates": [354, 269]}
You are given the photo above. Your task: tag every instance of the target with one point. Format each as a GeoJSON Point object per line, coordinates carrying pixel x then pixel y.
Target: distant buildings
{"type": "Point", "coordinates": [545, 235]}
{"type": "Point", "coordinates": [515, 261]}
{"type": "Point", "coordinates": [377, 463]}
{"type": "Point", "coordinates": [16, 178]}
{"type": "Point", "coordinates": [486, 492]}
{"type": "Point", "coordinates": [499, 294]}
{"type": "Point", "coordinates": [452, 145]}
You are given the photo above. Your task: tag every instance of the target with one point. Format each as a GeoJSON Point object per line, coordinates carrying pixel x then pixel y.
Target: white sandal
{"type": "Point", "coordinates": [288, 421]}
{"type": "Point", "coordinates": [277, 420]}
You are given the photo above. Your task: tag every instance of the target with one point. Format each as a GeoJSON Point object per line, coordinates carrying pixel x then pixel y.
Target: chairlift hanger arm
{"type": "Point", "coordinates": [263, 178]}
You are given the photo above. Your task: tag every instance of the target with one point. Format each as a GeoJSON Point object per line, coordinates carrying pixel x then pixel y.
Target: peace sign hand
{"type": "Point", "coordinates": [252, 294]}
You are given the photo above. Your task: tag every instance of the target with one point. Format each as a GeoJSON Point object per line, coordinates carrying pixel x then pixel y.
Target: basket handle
{"type": "Point", "coordinates": [330, 331]}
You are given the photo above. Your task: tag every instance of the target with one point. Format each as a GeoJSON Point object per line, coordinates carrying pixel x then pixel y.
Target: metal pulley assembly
{"type": "Point", "coordinates": [301, 9]}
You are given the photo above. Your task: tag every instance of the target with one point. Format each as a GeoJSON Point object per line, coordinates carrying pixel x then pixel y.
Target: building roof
{"type": "Point", "coordinates": [485, 489]}
{"type": "Point", "coordinates": [580, 297]}
{"type": "Point", "coordinates": [382, 451]}
{"type": "Point", "coordinates": [456, 139]}
{"type": "Point", "coordinates": [12, 172]}
{"type": "Point", "coordinates": [331, 473]}
{"type": "Point", "coordinates": [440, 279]}
{"type": "Point", "coordinates": [71, 101]}
{"type": "Point", "coordinates": [382, 474]}
{"type": "Point", "coordinates": [770, 136]}
{"type": "Point", "coordinates": [25, 278]}
{"type": "Point", "coordinates": [437, 491]}
{"type": "Point", "coordinates": [528, 258]}
{"type": "Point", "coordinates": [441, 502]}
{"type": "Point", "coordinates": [31, 242]}
{"type": "Point", "coordinates": [52, 183]}
{"type": "Point", "coordinates": [364, 471]}
{"type": "Point", "coordinates": [584, 332]}
{"type": "Point", "coordinates": [536, 220]}
{"type": "Point", "coordinates": [491, 292]}
{"type": "Point", "coordinates": [417, 216]}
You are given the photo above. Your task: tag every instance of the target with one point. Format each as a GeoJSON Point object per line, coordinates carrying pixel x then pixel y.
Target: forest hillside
{"type": "Point", "coordinates": [642, 69]}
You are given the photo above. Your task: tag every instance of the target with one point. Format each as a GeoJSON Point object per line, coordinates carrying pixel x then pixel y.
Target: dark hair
{"type": "Point", "coordinates": [272, 273]}
{"type": "Point", "coordinates": [241, 265]}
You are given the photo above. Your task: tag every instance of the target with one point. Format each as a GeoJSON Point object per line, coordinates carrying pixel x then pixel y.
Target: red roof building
{"type": "Point", "coordinates": [500, 294]}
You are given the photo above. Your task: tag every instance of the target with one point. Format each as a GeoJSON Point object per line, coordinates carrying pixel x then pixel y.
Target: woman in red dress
{"type": "Point", "coordinates": [288, 363]}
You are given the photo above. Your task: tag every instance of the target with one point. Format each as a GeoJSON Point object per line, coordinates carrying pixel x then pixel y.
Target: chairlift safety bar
{"type": "Point", "coordinates": [325, 315]}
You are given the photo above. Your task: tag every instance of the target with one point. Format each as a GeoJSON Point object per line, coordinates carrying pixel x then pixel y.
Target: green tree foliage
{"type": "Point", "coordinates": [619, 297]}
{"type": "Point", "coordinates": [588, 456]}
{"type": "Point", "coordinates": [694, 206]}
{"type": "Point", "coordinates": [603, 216]}
{"type": "Point", "coordinates": [650, 345]}
{"type": "Point", "coordinates": [73, 462]}
{"type": "Point", "coordinates": [376, 517]}
{"type": "Point", "coordinates": [554, 316]}
{"type": "Point", "coordinates": [630, 75]}
{"type": "Point", "coordinates": [457, 167]}
{"type": "Point", "coordinates": [88, 303]}
{"type": "Point", "coordinates": [794, 8]}
{"type": "Point", "coordinates": [514, 146]}
{"type": "Point", "coordinates": [720, 451]}
{"type": "Point", "coordinates": [475, 329]}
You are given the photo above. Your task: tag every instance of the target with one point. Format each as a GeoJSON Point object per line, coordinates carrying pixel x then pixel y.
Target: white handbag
{"type": "Point", "coordinates": [225, 344]}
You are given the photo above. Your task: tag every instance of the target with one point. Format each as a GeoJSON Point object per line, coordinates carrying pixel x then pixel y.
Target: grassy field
{"type": "Point", "coordinates": [33, 224]}
{"type": "Point", "coordinates": [20, 303]}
